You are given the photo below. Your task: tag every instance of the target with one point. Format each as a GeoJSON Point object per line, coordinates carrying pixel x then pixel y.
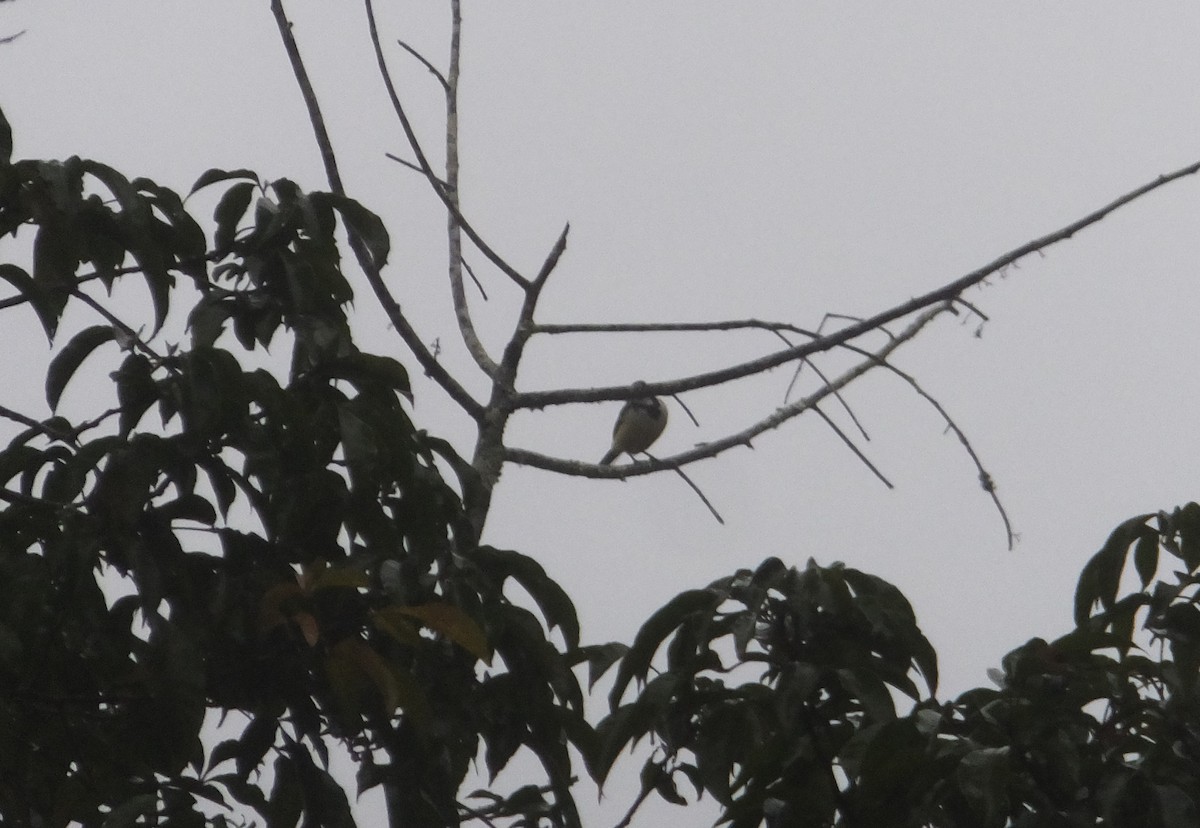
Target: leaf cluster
{"type": "Point", "coordinates": [281, 550]}
{"type": "Point", "coordinates": [279, 560]}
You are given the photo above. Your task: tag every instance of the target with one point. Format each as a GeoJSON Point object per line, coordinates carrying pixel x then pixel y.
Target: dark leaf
{"type": "Point", "coordinates": [1101, 576]}
{"type": "Point", "coordinates": [286, 801]}
{"type": "Point", "coordinates": [555, 605]}
{"type": "Point", "coordinates": [600, 657]}
{"type": "Point", "coordinates": [362, 223]}
{"type": "Point", "coordinates": [365, 371]}
{"type": "Point", "coordinates": [117, 184]}
{"type": "Point", "coordinates": [229, 212]}
{"type": "Point", "coordinates": [25, 285]}
{"type": "Point", "coordinates": [214, 175]}
{"type": "Point", "coordinates": [188, 507]}
{"type": "Point", "coordinates": [129, 812]}
{"type": "Point", "coordinates": [6, 141]}
{"type": "Point", "coordinates": [136, 390]}
{"type": "Point", "coordinates": [636, 663]}
{"type": "Point", "coordinates": [68, 360]}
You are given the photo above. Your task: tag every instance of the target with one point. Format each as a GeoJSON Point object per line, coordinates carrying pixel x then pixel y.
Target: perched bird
{"type": "Point", "coordinates": [638, 425]}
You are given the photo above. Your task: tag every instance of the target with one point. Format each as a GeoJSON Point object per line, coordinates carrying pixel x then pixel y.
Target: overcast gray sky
{"type": "Point", "coordinates": [717, 160]}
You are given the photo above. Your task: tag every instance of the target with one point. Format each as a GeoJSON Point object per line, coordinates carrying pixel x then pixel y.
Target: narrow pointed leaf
{"type": "Point", "coordinates": [68, 360]}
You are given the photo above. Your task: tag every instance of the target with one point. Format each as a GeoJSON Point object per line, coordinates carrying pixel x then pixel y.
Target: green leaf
{"type": "Point", "coordinates": [127, 814]}
{"type": "Point", "coordinates": [6, 140]}
{"type": "Point", "coordinates": [229, 212]}
{"type": "Point", "coordinates": [68, 360]}
{"type": "Point", "coordinates": [190, 506]}
{"type": "Point", "coordinates": [1187, 522]}
{"type": "Point", "coordinates": [1101, 576]}
{"type": "Point", "coordinates": [54, 263]}
{"type": "Point", "coordinates": [364, 371]}
{"type": "Point", "coordinates": [361, 223]}
{"type": "Point", "coordinates": [325, 802]}
{"type": "Point", "coordinates": [451, 622]}
{"type": "Point", "coordinates": [136, 390]}
{"type": "Point", "coordinates": [628, 723]}
{"type": "Point", "coordinates": [118, 185]}
{"type": "Point", "coordinates": [553, 602]}
{"type": "Point", "coordinates": [982, 777]}
{"type": "Point", "coordinates": [636, 663]}
{"type": "Point", "coordinates": [1145, 558]}
{"type": "Point", "coordinates": [871, 692]}
{"type": "Point", "coordinates": [26, 286]}
{"type": "Point", "coordinates": [214, 176]}
{"type": "Point", "coordinates": [207, 320]}
{"type": "Point", "coordinates": [287, 800]}
{"type": "Point", "coordinates": [600, 657]}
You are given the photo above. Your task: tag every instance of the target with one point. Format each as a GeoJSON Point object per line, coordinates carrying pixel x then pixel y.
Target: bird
{"type": "Point", "coordinates": [638, 425]}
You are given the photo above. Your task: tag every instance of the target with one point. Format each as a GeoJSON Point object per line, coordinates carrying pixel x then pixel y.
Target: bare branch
{"type": "Point", "coordinates": [741, 438]}
{"type": "Point", "coordinates": [131, 336]}
{"type": "Point", "coordinates": [857, 451]}
{"type": "Point", "coordinates": [462, 310]}
{"type": "Point", "coordinates": [433, 70]}
{"type": "Point", "coordinates": [410, 165]}
{"type": "Point", "coordinates": [659, 327]}
{"type": "Point", "coordinates": [370, 268]}
{"type": "Point", "coordinates": [985, 479]}
{"type": "Point", "coordinates": [423, 162]}
{"type": "Point", "coordinates": [700, 494]}
{"type": "Point", "coordinates": [838, 395]}
{"type": "Point", "coordinates": [53, 433]}
{"type": "Point", "coordinates": [551, 261]}
{"type": "Point", "coordinates": [490, 450]}
{"type": "Point", "coordinates": [471, 272]}
{"type": "Point", "coordinates": [946, 293]}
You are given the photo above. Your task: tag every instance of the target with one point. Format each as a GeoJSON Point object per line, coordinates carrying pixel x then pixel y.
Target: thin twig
{"type": "Point", "coordinates": [471, 272]}
{"type": "Point", "coordinates": [433, 70]}
{"type": "Point", "coordinates": [985, 479]}
{"type": "Point", "coordinates": [700, 494]}
{"type": "Point", "coordinates": [38, 426]}
{"type": "Point", "coordinates": [858, 452]}
{"type": "Point", "coordinates": [838, 396]}
{"type": "Point", "coordinates": [438, 187]}
{"type": "Point", "coordinates": [20, 299]}
{"type": "Point", "coordinates": [686, 410]}
{"type": "Point", "coordinates": [131, 335]}
{"type": "Point", "coordinates": [411, 166]}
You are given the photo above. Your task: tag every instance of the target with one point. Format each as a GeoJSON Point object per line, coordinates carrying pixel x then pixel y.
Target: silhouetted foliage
{"type": "Point", "coordinates": [205, 537]}
{"type": "Point", "coordinates": [212, 570]}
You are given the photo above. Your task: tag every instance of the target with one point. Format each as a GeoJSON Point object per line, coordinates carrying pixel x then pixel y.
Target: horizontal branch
{"type": "Point", "coordinates": [946, 293]}
{"type": "Point", "coordinates": [674, 327]}
{"type": "Point", "coordinates": [741, 438]}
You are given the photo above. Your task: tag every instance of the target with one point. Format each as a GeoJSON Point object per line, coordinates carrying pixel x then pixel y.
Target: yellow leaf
{"type": "Point", "coordinates": [271, 612]}
{"type": "Point", "coordinates": [357, 656]}
{"type": "Point", "coordinates": [309, 627]}
{"type": "Point", "coordinates": [309, 572]}
{"type": "Point", "coordinates": [346, 680]}
{"type": "Point", "coordinates": [345, 577]}
{"type": "Point", "coordinates": [453, 623]}
{"type": "Point", "coordinates": [391, 622]}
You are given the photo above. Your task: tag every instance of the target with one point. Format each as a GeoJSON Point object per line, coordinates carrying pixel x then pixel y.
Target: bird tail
{"type": "Point", "coordinates": [607, 459]}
